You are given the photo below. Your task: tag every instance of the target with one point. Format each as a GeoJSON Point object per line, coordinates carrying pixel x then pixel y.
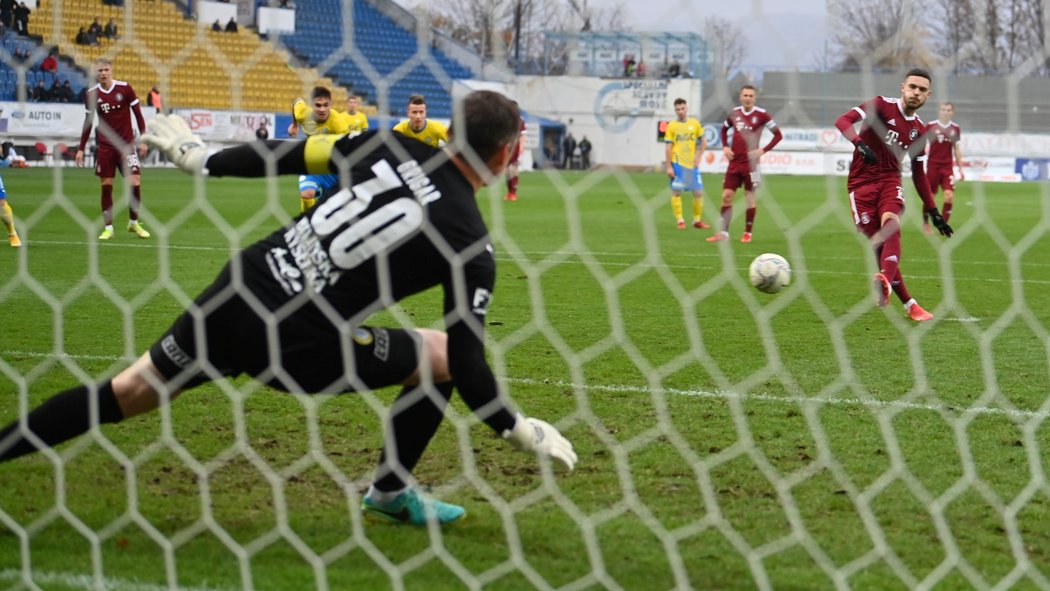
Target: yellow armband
{"type": "Point", "coordinates": [319, 152]}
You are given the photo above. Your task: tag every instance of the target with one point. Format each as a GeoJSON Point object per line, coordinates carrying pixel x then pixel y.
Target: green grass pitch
{"type": "Point", "coordinates": [727, 439]}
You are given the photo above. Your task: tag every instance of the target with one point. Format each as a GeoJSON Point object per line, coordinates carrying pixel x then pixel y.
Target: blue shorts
{"type": "Point", "coordinates": [319, 183]}
{"type": "Point", "coordinates": [3, 191]}
{"type": "Point", "coordinates": [686, 179]}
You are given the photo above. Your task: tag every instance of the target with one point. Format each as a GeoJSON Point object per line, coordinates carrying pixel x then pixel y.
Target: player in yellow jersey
{"type": "Point", "coordinates": [8, 218]}
{"type": "Point", "coordinates": [356, 120]}
{"type": "Point", "coordinates": [683, 162]}
{"type": "Point", "coordinates": [317, 118]}
{"type": "Point", "coordinates": [417, 126]}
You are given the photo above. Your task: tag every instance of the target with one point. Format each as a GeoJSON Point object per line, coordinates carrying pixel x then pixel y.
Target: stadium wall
{"type": "Point", "coordinates": [620, 117]}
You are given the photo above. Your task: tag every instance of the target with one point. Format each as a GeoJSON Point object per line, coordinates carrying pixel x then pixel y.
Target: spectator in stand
{"type": "Point", "coordinates": [640, 71]}
{"type": "Point", "coordinates": [216, 26]}
{"type": "Point", "coordinates": [95, 28]}
{"type": "Point", "coordinates": [155, 100]}
{"type": "Point", "coordinates": [67, 96]}
{"type": "Point", "coordinates": [231, 27]}
{"type": "Point", "coordinates": [20, 55]}
{"type": "Point", "coordinates": [83, 38]}
{"type": "Point", "coordinates": [568, 146]}
{"type": "Point", "coordinates": [22, 19]}
{"type": "Point", "coordinates": [110, 31]}
{"type": "Point", "coordinates": [55, 92]}
{"type": "Point", "coordinates": [585, 153]}
{"type": "Point", "coordinates": [7, 12]}
{"type": "Point", "coordinates": [50, 63]}
{"type": "Point", "coordinates": [39, 93]}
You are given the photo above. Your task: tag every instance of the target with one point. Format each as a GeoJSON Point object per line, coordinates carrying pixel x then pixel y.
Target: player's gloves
{"type": "Point", "coordinates": [541, 438]}
{"type": "Point", "coordinates": [939, 223]}
{"type": "Point", "coordinates": [866, 152]}
{"type": "Point", "coordinates": [170, 134]}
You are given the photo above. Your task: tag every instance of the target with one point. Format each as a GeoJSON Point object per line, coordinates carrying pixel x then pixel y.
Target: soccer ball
{"type": "Point", "coordinates": [769, 273]}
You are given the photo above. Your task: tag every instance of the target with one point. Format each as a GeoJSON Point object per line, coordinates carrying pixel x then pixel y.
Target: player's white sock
{"type": "Point", "coordinates": [382, 497]}
{"type": "Point", "coordinates": [908, 304]}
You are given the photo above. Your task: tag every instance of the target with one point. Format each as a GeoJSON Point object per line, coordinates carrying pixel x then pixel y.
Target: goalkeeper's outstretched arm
{"type": "Point", "coordinates": [256, 158]}
{"type": "Point", "coordinates": [171, 135]}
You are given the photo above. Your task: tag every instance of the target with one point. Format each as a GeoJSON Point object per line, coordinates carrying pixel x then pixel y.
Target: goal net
{"type": "Point", "coordinates": [727, 438]}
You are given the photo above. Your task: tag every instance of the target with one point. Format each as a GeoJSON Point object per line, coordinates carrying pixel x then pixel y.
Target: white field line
{"type": "Point", "coordinates": [535, 257]}
{"type": "Point", "coordinates": [722, 395]}
{"type": "Point", "coordinates": [792, 400]}
{"type": "Point", "coordinates": [46, 579]}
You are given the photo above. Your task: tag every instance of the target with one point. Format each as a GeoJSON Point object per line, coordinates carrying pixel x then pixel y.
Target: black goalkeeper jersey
{"type": "Point", "coordinates": [408, 221]}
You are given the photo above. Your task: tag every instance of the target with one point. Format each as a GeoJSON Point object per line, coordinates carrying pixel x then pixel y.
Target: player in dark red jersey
{"type": "Point", "coordinates": [943, 136]}
{"type": "Point", "coordinates": [890, 131]}
{"type": "Point", "coordinates": [513, 166]}
{"type": "Point", "coordinates": [288, 310]}
{"type": "Point", "coordinates": [747, 122]}
{"type": "Point", "coordinates": [115, 102]}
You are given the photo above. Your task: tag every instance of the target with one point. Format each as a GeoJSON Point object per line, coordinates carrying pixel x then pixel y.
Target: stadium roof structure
{"type": "Point", "coordinates": [689, 49]}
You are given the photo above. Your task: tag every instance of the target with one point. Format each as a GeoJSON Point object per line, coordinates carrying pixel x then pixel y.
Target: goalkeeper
{"type": "Point", "coordinates": [288, 309]}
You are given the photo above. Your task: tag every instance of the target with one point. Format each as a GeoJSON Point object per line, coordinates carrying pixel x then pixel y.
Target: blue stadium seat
{"type": "Point", "coordinates": [380, 43]}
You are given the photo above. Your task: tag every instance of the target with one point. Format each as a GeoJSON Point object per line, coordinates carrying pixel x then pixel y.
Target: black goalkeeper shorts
{"type": "Point", "coordinates": [222, 335]}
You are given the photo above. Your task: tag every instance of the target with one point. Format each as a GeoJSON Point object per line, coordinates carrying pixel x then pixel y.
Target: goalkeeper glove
{"type": "Point", "coordinates": [866, 152]}
{"type": "Point", "coordinates": [541, 438]}
{"type": "Point", "coordinates": [939, 223]}
{"type": "Point", "coordinates": [171, 135]}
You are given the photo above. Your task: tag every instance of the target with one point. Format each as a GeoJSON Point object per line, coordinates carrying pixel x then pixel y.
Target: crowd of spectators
{"type": "Point", "coordinates": [95, 32]}
{"type": "Point", "coordinates": [14, 16]}
{"type": "Point", "coordinates": [58, 92]}
{"type": "Point", "coordinates": [231, 26]}
{"type": "Point", "coordinates": [50, 88]}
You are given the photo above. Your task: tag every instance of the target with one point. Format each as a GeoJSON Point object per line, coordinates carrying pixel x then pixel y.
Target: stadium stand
{"type": "Point", "coordinates": [193, 66]}
{"type": "Point", "coordinates": [12, 44]}
{"type": "Point", "coordinates": [378, 47]}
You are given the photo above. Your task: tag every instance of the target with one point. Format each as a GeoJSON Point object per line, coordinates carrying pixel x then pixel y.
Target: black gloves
{"type": "Point", "coordinates": [939, 223]}
{"type": "Point", "coordinates": [866, 152]}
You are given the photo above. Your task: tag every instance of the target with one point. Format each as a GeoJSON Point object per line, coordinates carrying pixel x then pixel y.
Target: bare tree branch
{"type": "Point", "coordinates": [726, 41]}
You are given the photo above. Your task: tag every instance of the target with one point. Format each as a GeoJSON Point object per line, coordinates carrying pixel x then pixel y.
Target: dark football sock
{"type": "Point", "coordinates": [61, 418]}
{"type": "Point", "coordinates": [749, 218]}
{"type": "Point", "coordinates": [136, 201]}
{"type": "Point", "coordinates": [107, 204]}
{"type": "Point", "coordinates": [890, 257]}
{"type": "Point", "coordinates": [414, 419]}
{"type": "Point", "coordinates": [897, 283]}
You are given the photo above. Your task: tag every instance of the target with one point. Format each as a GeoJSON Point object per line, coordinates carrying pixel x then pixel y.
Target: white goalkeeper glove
{"type": "Point", "coordinates": [171, 135]}
{"type": "Point", "coordinates": [541, 438]}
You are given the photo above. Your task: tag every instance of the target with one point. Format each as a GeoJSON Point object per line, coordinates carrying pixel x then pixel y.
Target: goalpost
{"type": "Point", "coordinates": [728, 439]}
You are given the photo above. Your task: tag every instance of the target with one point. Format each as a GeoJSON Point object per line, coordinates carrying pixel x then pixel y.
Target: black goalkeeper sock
{"type": "Point", "coordinates": [411, 428]}
{"type": "Point", "coordinates": [61, 418]}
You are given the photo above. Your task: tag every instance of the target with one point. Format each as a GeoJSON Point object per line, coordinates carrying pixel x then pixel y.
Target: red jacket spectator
{"type": "Point", "coordinates": [50, 63]}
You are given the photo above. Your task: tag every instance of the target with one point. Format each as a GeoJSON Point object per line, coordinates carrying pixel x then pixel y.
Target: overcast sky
{"type": "Point", "coordinates": [782, 33]}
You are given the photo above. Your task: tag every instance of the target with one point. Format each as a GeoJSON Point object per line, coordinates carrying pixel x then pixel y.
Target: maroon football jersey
{"type": "Point", "coordinates": [747, 131]}
{"type": "Point", "coordinates": [114, 107]}
{"type": "Point", "coordinates": [891, 134]}
{"type": "Point", "coordinates": [942, 140]}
